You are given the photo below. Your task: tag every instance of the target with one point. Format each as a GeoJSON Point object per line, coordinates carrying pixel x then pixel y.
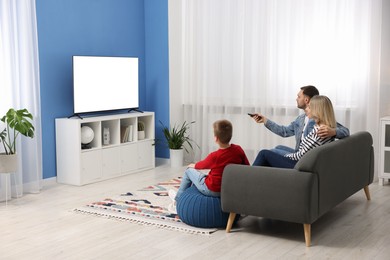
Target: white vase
{"type": "Point", "coordinates": [141, 135]}
{"type": "Point", "coordinates": [176, 156]}
{"type": "Point", "coordinates": [8, 163]}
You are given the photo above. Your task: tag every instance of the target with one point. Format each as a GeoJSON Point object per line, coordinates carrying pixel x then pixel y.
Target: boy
{"type": "Point", "coordinates": [210, 184]}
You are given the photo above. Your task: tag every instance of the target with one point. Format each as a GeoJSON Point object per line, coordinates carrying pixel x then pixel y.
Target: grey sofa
{"type": "Point", "coordinates": [323, 178]}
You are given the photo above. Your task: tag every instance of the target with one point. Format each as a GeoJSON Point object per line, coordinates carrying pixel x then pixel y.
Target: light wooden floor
{"type": "Point", "coordinates": [42, 226]}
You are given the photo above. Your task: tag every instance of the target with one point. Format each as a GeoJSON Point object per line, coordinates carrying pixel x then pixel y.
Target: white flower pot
{"type": "Point", "coordinates": [8, 163]}
{"type": "Point", "coordinates": [141, 135]}
{"type": "Point", "coordinates": [176, 156]}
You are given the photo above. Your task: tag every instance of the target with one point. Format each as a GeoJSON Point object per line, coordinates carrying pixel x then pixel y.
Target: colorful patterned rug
{"type": "Point", "coordinates": [147, 206]}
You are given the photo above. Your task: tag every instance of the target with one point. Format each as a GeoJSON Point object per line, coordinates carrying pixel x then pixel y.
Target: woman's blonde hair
{"type": "Point", "coordinates": [321, 110]}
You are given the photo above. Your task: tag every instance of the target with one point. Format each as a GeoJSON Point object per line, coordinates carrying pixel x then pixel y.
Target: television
{"type": "Point", "coordinates": [104, 83]}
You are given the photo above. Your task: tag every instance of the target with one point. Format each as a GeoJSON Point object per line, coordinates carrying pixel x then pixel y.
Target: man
{"type": "Point", "coordinates": [302, 125]}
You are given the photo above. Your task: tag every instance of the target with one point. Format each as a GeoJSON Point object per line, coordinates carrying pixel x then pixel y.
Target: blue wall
{"type": "Point", "coordinates": [106, 28]}
{"type": "Point", "coordinates": [157, 67]}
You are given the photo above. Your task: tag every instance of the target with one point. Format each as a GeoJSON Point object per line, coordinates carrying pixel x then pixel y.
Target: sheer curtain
{"type": "Point", "coordinates": [19, 84]}
{"type": "Point", "coordinates": [231, 57]}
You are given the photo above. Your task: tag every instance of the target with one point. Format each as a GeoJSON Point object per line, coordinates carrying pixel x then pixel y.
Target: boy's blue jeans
{"type": "Point", "coordinates": [197, 178]}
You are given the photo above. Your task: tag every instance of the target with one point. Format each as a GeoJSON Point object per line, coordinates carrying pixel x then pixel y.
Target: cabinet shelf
{"type": "Point", "coordinates": [110, 154]}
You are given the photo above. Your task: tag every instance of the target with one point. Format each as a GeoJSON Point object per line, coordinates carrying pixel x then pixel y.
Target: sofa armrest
{"type": "Point", "coordinates": [283, 194]}
{"type": "Point", "coordinates": [343, 168]}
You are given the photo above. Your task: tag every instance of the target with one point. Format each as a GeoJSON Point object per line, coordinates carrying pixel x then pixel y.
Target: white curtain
{"type": "Point", "coordinates": [19, 88]}
{"type": "Point", "coordinates": [231, 57]}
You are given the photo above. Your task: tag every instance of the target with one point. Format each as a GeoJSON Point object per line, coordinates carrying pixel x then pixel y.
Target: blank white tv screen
{"type": "Point", "coordinates": [104, 83]}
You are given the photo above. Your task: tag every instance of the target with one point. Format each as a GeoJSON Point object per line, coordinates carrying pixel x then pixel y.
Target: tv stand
{"type": "Point", "coordinates": [135, 109]}
{"type": "Point", "coordinates": [125, 151]}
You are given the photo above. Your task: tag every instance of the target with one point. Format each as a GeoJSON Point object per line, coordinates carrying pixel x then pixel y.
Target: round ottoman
{"type": "Point", "coordinates": [198, 210]}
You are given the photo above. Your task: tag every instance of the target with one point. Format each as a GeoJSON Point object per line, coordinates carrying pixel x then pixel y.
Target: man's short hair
{"type": "Point", "coordinates": [223, 130]}
{"type": "Point", "coordinates": [310, 91]}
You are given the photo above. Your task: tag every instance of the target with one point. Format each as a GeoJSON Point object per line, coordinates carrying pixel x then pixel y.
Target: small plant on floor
{"type": "Point", "coordinates": [177, 136]}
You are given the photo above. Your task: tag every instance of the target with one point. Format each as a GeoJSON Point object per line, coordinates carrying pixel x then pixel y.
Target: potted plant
{"type": "Point", "coordinates": [16, 122]}
{"type": "Point", "coordinates": [141, 130]}
{"type": "Point", "coordinates": [176, 138]}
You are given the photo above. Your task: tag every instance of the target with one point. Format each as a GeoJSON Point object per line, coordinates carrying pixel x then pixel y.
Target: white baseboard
{"type": "Point", "coordinates": [51, 180]}
{"type": "Point", "coordinates": [161, 161]}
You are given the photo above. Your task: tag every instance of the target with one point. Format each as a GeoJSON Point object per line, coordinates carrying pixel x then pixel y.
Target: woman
{"type": "Point", "coordinates": [320, 109]}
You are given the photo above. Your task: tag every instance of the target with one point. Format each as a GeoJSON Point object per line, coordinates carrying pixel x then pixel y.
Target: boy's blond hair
{"type": "Point", "coordinates": [223, 130]}
{"type": "Point", "coordinates": [322, 110]}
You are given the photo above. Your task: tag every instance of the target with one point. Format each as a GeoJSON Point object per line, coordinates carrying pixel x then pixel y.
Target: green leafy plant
{"type": "Point", "coordinates": [177, 136]}
{"type": "Point", "coordinates": [16, 122]}
{"type": "Point", "coordinates": [141, 126]}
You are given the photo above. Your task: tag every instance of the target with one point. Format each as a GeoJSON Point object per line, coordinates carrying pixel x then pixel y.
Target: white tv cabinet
{"type": "Point", "coordinates": [384, 150]}
{"type": "Point", "coordinates": [80, 166]}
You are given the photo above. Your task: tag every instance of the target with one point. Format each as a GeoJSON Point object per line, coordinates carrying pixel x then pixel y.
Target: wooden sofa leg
{"type": "Point", "coordinates": [367, 192]}
{"type": "Point", "coordinates": [307, 231]}
{"type": "Point", "coordinates": [229, 225]}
